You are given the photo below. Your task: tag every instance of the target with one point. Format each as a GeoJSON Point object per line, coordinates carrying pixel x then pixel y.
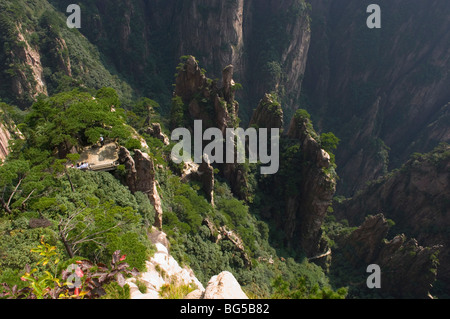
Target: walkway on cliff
{"type": "Point", "coordinates": [101, 158]}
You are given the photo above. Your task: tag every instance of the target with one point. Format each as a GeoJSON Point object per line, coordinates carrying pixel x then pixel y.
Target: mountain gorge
{"type": "Point", "coordinates": [217, 33]}
{"type": "Point", "coordinates": [368, 87]}
{"type": "Point", "coordinates": [376, 190]}
{"type": "Point", "coordinates": [384, 92]}
{"type": "Point", "coordinates": [416, 197]}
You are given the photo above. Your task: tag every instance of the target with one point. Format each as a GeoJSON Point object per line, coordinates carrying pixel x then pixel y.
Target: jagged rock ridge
{"type": "Point", "coordinates": [307, 209]}
{"type": "Point", "coordinates": [407, 269]}
{"type": "Point", "coordinates": [302, 191]}
{"type": "Point", "coordinates": [214, 106]}
{"type": "Point", "coordinates": [384, 92]}
{"type": "Point", "coordinates": [416, 198]}
{"type": "Point", "coordinates": [217, 32]}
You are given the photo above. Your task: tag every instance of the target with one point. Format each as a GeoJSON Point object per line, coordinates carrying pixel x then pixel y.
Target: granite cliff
{"type": "Point", "coordinates": [163, 271]}
{"type": "Point", "coordinates": [416, 198]}
{"type": "Point", "coordinates": [297, 198]}
{"type": "Point", "coordinates": [140, 176]}
{"type": "Point", "coordinates": [408, 270]}
{"type": "Point", "coordinates": [212, 103]}
{"type": "Point", "coordinates": [372, 88]}
{"type": "Point", "coordinates": [384, 92]}
{"type": "Point", "coordinates": [217, 33]}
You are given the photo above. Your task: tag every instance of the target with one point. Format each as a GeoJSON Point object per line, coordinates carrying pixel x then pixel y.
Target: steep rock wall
{"type": "Point", "coordinates": [297, 198]}
{"type": "Point", "coordinates": [218, 33]}
{"type": "Point", "coordinates": [408, 270]}
{"type": "Point", "coordinates": [140, 177]}
{"type": "Point", "coordinates": [416, 198]}
{"type": "Point", "coordinates": [384, 92]}
{"type": "Point", "coordinates": [307, 210]}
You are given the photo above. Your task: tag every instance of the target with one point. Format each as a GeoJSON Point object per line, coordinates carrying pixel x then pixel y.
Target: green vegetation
{"type": "Point", "coordinates": [300, 290]}
{"type": "Point", "coordinates": [68, 59]}
{"type": "Point", "coordinates": [74, 119]}
{"type": "Point", "coordinates": [148, 66]}
{"type": "Point", "coordinates": [266, 48]}
{"type": "Point", "coordinates": [177, 113]}
{"type": "Point", "coordinates": [91, 215]}
{"type": "Point", "coordinates": [175, 290]}
{"type": "Point", "coordinates": [51, 279]}
{"type": "Point", "coordinates": [329, 143]}
{"type": "Point", "coordinates": [83, 214]}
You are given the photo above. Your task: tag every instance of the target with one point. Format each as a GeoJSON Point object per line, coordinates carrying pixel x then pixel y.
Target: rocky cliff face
{"type": "Point", "coordinates": [28, 81]}
{"type": "Point", "coordinates": [5, 137]}
{"type": "Point", "coordinates": [384, 92]}
{"type": "Point", "coordinates": [215, 106]}
{"type": "Point", "coordinates": [268, 114]}
{"type": "Point", "coordinates": [407, 269]}
{"type": "Point", "coordinates": [213, 31]}
{"type": "Point", "coordinates": [298, 197]}
{"type": "Point", "coordinates": [371, 87]}
{"type": "Point", "coordinates": [278, 38]}
{"type": "Point", "coordinates": [27, 56]}
{"type": "Point", "coordinates": [217, 33]}
{"type": "Point", "coordinates": [306, 210]}
{"type": "Point", "coordinates": [39, 54]}
{"type": "Point", "coordinates": [8, 132]}
{"type": "Point", "coordinates": [140, 177]}
{"type": "Point", "coordinates": [416, 198]}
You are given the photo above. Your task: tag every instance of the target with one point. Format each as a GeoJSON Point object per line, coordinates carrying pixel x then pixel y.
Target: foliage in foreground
{"type": "Point", "coordinates": [79, 280]}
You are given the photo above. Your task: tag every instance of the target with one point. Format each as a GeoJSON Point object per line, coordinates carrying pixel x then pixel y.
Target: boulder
{"type": "Point", "coordinates": [196, 294]}
{"type": "Point", "coordinates": [224, 286]}
{"type": "Point", "coordinates": [162, 269]}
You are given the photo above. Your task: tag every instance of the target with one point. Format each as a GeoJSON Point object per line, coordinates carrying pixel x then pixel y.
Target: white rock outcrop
{"type": "Point", "coordinates": [5, 137]}
{"type": "Point", "coordinates": [224, 286]}
{"type": "Point", "coordinates": [163, 269]}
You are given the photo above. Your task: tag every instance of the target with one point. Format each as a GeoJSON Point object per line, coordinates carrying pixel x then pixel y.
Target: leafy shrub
{"type": "Point", "coordinates": [95, 280]}
{"type": "Point", "coordinates": [301, 290]}
{"type": "Point", "coordinates": [133, 144]}
{"type": "Point", "coordinates": [130, 245]}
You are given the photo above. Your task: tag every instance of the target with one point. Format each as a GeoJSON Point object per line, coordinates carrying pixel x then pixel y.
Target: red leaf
{"type": "Point", "coordinates": [79, 272]}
